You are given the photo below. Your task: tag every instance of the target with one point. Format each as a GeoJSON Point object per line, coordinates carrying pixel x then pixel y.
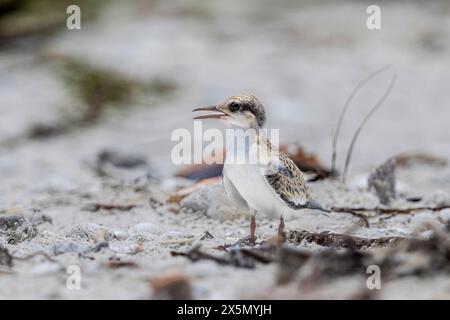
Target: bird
{"type": "Point", "coordinates": [273, 185]}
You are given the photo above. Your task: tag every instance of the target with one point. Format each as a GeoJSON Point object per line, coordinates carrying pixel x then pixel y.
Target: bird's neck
{"type": "Point", "coordinates": [241, 144]}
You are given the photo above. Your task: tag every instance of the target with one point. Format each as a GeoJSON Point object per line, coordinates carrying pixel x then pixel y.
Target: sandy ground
{"type": "Point", "coordinates": [302, 61]}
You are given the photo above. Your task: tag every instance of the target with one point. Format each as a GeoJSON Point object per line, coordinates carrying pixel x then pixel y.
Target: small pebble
{"type": "Point", "coordinates": [143, 228]}
{"type": "Point", "coordinates": [120, 234]}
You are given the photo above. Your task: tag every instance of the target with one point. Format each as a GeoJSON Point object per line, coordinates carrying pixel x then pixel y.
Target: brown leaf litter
{"type": "Point", "coordinates": [307, 162]}
{"type": "Point", "coordinates": [179, 195]}
{"type": "Point", "coordinates": [409, 159]}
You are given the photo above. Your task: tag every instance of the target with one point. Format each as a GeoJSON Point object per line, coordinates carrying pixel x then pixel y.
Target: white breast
{"type": "Point", "coordinates": [252, 185]}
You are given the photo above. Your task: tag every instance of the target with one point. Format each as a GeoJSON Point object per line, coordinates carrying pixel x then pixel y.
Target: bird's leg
{"type": "Point", "coordinates": [281, 233]}
{"type": "Point", "coordinates": [252, 229]}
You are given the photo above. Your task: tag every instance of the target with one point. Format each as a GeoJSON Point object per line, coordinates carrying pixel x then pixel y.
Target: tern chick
{"type": "Point", "coordinates": [273, 185]}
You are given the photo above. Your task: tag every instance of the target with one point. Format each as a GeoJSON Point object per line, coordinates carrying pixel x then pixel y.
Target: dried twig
{"type": "Point", "coordinates": [116, 264]}
{"type": "Point", "coordinates": [258, 255]}
{"type": "Point", "coordinates": [238, 257]}
{"type": "Point", "coordinates": [328, 239]}
{"type": "Point", "coordinates": [195, 254]}
{"type": "Point", "coordinates": [360, 216]}
{"type": "Point", "coordinates": [360, 210]}
{"type": "Point", "coordinates": [105, 206]}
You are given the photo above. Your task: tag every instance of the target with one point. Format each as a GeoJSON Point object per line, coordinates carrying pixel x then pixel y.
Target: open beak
{"type": "Point", "coordinates": [217, 115]}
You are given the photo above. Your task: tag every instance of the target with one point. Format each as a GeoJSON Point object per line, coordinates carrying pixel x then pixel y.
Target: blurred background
{"type": "Point", "coordinates": [135, 70]}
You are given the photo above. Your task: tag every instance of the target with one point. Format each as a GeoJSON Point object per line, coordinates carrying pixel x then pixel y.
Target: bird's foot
{"type": "Point", "coordinates": [247, 242]}
{"type": "Point", "coordinates": [281, 236]}
{"type": "Point", "coordinates": [281, 226]}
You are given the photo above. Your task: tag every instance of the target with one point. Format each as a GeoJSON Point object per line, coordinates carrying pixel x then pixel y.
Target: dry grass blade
{"type": "Point", "coordinates": [361, 126]}
{"type": "Point", "coordinates": [344, 110]}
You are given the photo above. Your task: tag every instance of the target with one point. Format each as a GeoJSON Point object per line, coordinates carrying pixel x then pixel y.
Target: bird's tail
{"type": "Point", "coordinates": [314, 205]}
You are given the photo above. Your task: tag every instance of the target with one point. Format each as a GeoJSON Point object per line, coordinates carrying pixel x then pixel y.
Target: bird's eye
{"type": "Point", "coordinates": [234, 107]}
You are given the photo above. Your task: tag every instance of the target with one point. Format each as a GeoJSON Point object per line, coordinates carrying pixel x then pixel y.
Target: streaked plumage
{"type": "Point", "coordinates": [288, 182]}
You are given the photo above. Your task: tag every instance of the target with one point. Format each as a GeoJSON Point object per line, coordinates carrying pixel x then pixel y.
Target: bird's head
{"type": "Point", "coordinates": [243, 111]}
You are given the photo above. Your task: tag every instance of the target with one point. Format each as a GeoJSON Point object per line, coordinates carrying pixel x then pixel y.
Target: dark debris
{"type": "Point", "coordinates": [329, 239]}
{"type": "Point", "coordinates": [207, 235]}
{"type": "Point", "coordinates": [238, 257]}
{"type": "Point", "coordinates": [94, 207]}
{"type": "Point", "coordinates": [6, 258]}
{"type": "Point", "coordinates": [20, 228]}
{"type": "Point", "coordinates": [344, 255]}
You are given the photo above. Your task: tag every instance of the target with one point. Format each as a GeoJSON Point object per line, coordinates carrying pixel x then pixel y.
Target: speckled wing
{"type": "Point", "coordinates": [288, 183]}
